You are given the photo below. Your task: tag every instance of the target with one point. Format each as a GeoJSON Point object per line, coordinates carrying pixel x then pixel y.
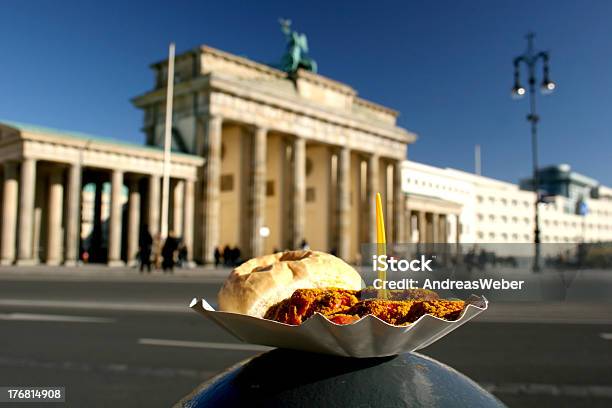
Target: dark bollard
{"type": "Point", "coordinates": [287, 378]}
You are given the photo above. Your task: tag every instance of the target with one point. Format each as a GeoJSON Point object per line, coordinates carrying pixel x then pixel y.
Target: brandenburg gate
{"type": "Point", "coordinates": [264, 160]}
{"type": "Point", "coordinates": [289, 157]}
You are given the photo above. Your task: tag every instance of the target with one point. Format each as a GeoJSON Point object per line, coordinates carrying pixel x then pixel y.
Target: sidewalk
{"type": "Point", "coordinates": [101, 271]}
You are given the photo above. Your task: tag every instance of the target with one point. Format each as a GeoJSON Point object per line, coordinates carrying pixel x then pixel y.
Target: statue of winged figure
{"type": "Point", "coordinates": [296, 55]}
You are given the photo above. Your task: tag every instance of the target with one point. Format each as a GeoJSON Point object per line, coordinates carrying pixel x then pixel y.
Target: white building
{"type": "Point", "coordinates": [494, 211]}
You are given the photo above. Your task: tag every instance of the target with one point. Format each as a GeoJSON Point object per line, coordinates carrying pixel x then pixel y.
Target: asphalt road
{"type": "Point", "coordinates": [131, 341]}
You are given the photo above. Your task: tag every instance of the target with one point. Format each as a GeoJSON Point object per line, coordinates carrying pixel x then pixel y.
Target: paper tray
{"type": "Point", "coordinates": [367, 337]}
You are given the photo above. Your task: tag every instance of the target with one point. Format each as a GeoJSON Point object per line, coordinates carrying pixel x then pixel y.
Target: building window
{"type": "Point", "coordinates": [270, 188]}
{"type": "Point", "coordinates": [504, 201]}
{"type": "Point", "coordinates": [504, 218]}
{"type": "Point", "coordinates": [480, 235]}
{"type": "Point", "coordinates": [310, 194]}
{"type": "Point", "coordinates": [227, 182]}
{"type": "Point", "coordinates": [479, 198]}
{"type": "Point", "coordinates": [309, 167]}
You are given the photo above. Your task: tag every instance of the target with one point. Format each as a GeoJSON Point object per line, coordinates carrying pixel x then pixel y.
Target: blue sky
{"type": "Point", "coordinates": [445, 65]}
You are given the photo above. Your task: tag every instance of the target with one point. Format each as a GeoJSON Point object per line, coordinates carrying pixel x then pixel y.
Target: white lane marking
{"type": "Point", "coordinates": [202, 344]}
{"type": "Point", "coordinates": [542, 320]}
{"type": "Point", "coordinates": [112, 368]}
{"type": "Point", "coordinates": [606, 336]}
{"type": "Point", "coordinates": [54, 318]}
{"type": "Point", "coordinates": [557, 390]}
{"type": "Point", "coordinates": [105, 276]}
{"type": "Point", "coordinates": [77, 304]}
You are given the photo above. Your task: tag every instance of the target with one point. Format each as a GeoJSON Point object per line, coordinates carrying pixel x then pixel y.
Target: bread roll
{"type": "Point", "coordinates": [261, 282]}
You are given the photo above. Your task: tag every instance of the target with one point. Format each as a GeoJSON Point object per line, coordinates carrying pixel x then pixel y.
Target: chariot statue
{"type": "Point", "coordinates": [296, 56]}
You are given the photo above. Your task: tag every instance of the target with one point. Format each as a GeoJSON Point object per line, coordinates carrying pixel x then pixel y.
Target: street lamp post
{"type": "Point", "coordinates": [530, 58]}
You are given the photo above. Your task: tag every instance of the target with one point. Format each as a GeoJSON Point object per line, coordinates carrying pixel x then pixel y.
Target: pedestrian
{"type": "Point", "coordinates": [482, 259]}
{"type": "Point", "coordinates": [227, 255]}
{"type": "Point", "coordinates": [304, 245]}
{"type": "Point", "coordinates": [182, 254]}
{"type": "Point", "coordinates": [168, 252]}
{"type": "Point", "coordinates": [144, 248]}
{"type": "Point", "coordinates": [236, 256]}
{"type": "Point", "coordinates": [157, 248]}
{"type": "Point", "coordinates": [217, 256]}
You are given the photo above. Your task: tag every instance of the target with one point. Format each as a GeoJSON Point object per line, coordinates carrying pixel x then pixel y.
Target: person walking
{"type": "Point", "coordinates": [144, 248]}
{"type": "Point", "coordinates": [168, 252]}
{"type": "Point", "coordinates": [156, 249]}
{"type": "Point", "coordinates": [227, 255]}
{"type": "Point", "coordinates": [182, 254]}
{"type": "Point", "coordinates": [237, 255]}
{"type": "Point", "coordinates": [217, 256]}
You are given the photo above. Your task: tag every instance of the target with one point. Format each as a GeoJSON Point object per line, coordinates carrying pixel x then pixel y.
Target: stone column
{"type": "Point", "coordinates": [258, 195]}
{"type": "Point", "coordinates": [133, 235]}
{"type": "Point", "coordinates": [409, 228]}
{"type": "Point", "coordinates": [188, 216]}
{"type": "Point", "coordinates": [26, 211]}
{"type": "Point", "coordinates": [371, 190]}
{"type": "Point", "coordinates": [299, 190]}
{"type": "Point", "coordinates": [212, 180]}
{"type": "Point", "coordinates": [9, 213]}
{"type": "Point", "coordinates": [41, 199]}
{"type": "Point", "coordinates": [398, 203]}
{"type": "Point", "coordinates": [54, 218]}
{"type": "Point", "coordinates": [443, 237]}
{"type": "Point", "coordinates": [178, 195]}
{"type": "Point", "coordinates": [73, 214]}
{"type": "Point", "coordinates": [435, 228]}
{"type": "Point", "coordinates": [343, 204]}
{"type": "Point", "coordinates": [114, 228]}
{"type": "Point", "coordinates": [422, 226]}
{"type": "Point", "coordinates": [153, 204]}
{"type": "Point", "coordinates": [458, 234]}
{"type": "Point", "coordinates": [457, 229]}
